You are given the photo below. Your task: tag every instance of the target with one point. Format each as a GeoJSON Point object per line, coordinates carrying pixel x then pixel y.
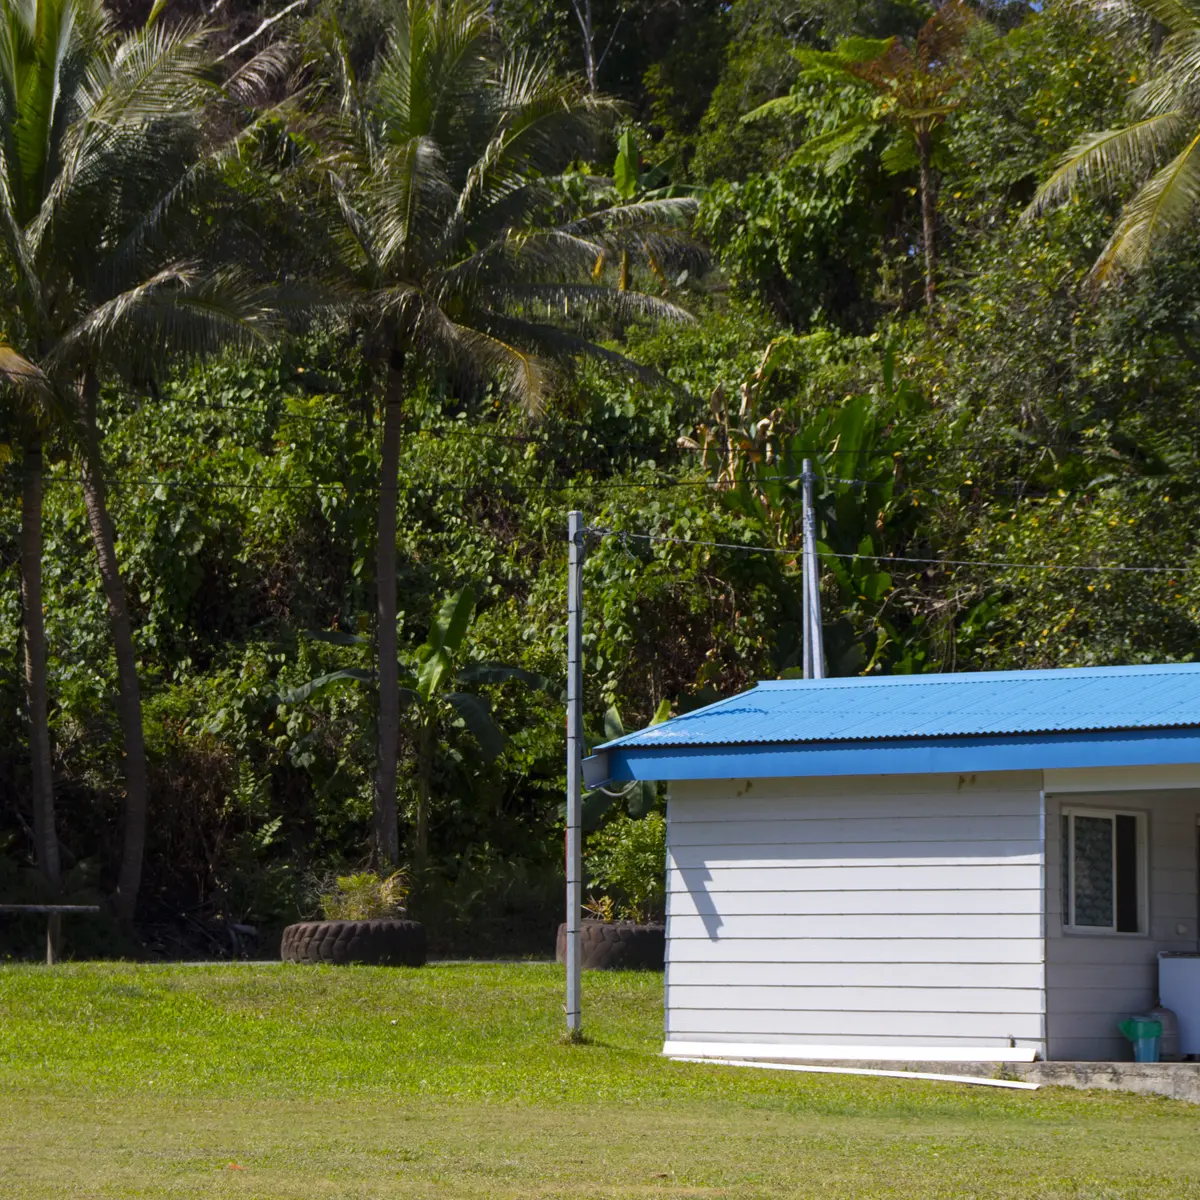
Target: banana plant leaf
{"type": "Point", "coordinates": [446, 634]}
{"type": "Point", "coordinates": [335, 637]}
{"type": "Point", "coordinates": [299, 694]}
{"type": "Point", "coordinates": [626, 178]}
{"type": "Point", "coordinates": [489, 672]}
{"type": "Point", "coordinates": [477, 717]}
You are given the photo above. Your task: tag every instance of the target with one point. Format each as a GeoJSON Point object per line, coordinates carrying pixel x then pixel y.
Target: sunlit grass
{"type": "Point", "coordinates": [121, 1080]}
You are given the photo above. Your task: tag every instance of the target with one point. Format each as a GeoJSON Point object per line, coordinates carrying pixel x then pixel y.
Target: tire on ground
{"type": "Point", "coordinates": [380, 943]}
{"type": "Point", "coordinates": [617, 946]}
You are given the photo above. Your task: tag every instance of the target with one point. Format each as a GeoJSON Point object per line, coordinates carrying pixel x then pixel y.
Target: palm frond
{"type": "Point", "coordinates": [156, 77]}
{"type": "Point", "coordinates": [1123, 17]}
{"type": "Point", "coordinates": [538, 254]}
{"type": "Point", "coordinates": [40, 402]}
{"type": "Point", "coordinates": [41, 90]}
{"type": "Point", "coordinates": [177, 310]}
{"type": "Point", "coordinates": [638, 214]}
{"type": "Point", "coordinates": [258, 74]}
{"type": "Point", "coordinates": [152, 217]}
{"type": "Point", "coordinates": [16, 242]}
{"type": "Point", "coordinates": [157, 73]}
{"type": "Point", "coordinates": [476, 350]}
{"type": "Point", "coordinates": [409, 196]}
{"type": "Point", "coordinates": [433, 63]}
{"type": "Point", "coordinates": [1175, 79]}
{"type": "Point", "coordinates": [16, 369]}
{"type": "Point", "coordinates": [566, 344]}
{"type": "Point", "coordinates": [544, 121]}
{"type": "Point", "coordinates": [1164, 205]}
{"type": "Point", "coordinates": [585, 300]}
{"type": "Point", "coordinates": [352, 133]}
{"type": "Point", "coordinates": [1109, 157]}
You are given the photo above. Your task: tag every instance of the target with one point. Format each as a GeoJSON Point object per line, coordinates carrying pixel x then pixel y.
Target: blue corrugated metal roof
{"type": "Point", "coordinates": [935, 706]}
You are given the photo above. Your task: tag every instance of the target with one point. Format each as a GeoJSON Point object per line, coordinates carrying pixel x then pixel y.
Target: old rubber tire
{"type": "Point", "coordinates": [617, 946]}
{"type": "Point", "coordinates": [373, 943]}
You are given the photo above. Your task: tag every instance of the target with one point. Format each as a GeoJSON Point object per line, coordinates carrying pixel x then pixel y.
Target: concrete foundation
{"type": "Point", "coordinates": [1178, 1080]}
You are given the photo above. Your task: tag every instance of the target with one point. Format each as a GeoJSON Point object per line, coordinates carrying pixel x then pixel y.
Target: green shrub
{"type": "Point", "coordinates": [628, 860]}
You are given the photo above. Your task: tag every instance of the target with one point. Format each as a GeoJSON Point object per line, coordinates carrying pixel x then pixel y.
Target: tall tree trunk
{"type": "Point", "coordinates": [129, 695]}
{"type": "Point", "coordinates": [386, 833]}
{"type": "Point", "coordinates": [928, 210]}
{"type": "Point", "coordinates": [45, 833]}
{"type": "Point", "coordinates": [424, 785]}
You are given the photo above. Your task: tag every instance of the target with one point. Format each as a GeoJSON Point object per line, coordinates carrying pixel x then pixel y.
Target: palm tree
{"type": "Point", "coordinates": [31, 413]}
{"type": "Point", "coordinates": [453, 245]}
{"type": "Point", "coordinates": [432, 694]}
{"type": "Point", "coordinates": [916, 89]}
{"type": "Point", "coordinates": [1161, 140]}
{"type": "Point", "coordinates": [100, 141]}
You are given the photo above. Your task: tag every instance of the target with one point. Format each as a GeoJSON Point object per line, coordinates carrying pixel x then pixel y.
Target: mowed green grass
{"type": "Point", "coordinates": [288, 1082]}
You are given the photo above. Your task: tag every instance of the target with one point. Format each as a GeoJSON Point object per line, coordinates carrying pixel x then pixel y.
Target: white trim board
{"type": "Point", "coordinates": [814, 1070]}
{"type": "Point", "coordinates": [1122, 779]}
{"type": "Point", "coordinates": [750, 1050]}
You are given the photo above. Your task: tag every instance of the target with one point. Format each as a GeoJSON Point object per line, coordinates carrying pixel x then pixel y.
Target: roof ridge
{"type": "Point", "coordinates": [922, 708]}
{"type": "Point", "coordinates": [936, 678]}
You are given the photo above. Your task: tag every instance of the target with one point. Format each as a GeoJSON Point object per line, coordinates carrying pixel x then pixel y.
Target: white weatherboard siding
{"type": "Point", "coordinates": [1093, 980]}
{"type": "Point", "coordinates": [886, 911]}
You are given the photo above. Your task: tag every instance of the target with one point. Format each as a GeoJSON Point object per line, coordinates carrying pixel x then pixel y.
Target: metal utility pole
{"type": "Point", "coordinates": [814, 640]}
{"type": "Point", "coordinates": [574, 767]}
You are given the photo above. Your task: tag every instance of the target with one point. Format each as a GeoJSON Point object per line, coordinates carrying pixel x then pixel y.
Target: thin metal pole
{"type": "Point", "coordinates": [812, 580]}
{"type": "Point", "coordinates": [574, 768]}
{"type": "Point", "coordinates": [805, 598]}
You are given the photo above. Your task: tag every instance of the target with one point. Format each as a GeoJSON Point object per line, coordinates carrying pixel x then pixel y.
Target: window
{"type": "Point", "coordinates": [1104, 870]}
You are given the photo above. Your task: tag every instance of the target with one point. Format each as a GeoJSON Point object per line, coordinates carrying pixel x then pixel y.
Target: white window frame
{"type": "Point", "coordinates": [1142, 819]}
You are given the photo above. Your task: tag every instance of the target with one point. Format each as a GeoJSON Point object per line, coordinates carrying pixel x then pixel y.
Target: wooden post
{"type": "Point", "coordinates": [53, 938]}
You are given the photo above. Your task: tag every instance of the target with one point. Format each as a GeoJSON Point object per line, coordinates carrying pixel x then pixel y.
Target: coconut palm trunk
{"type": "Point", "coordinates": [387, 831]}
{"type": "Point", "coordinates": [440, 226]}
{"type": "Point", "coordinates": [129, 696]}
{"type": "Point", "coordinates": [928, 210]}
{"type": "Point", "coordinates": [428, 731]}
{"type": "Point", "coordinates": [45, 832]}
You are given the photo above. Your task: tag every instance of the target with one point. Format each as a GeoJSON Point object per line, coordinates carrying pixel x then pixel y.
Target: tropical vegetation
{"type": "Point", "coordinates": [318, 321]}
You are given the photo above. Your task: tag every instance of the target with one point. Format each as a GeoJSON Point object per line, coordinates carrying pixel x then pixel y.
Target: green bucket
{"type": "Point", "coordinates": [1146, 1035]}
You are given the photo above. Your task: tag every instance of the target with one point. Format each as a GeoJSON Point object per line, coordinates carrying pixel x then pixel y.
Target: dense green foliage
{"type": "Point", "coordinates": [983, 461]}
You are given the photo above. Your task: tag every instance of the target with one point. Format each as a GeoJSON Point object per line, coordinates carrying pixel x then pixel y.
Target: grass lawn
{"type": "Point", "coordinates": [289, 1082]}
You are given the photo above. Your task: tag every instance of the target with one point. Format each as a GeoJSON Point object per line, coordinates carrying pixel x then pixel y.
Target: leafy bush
{"type": "Point", "coordinates": [627, 858]}
{"type": "Point", "coordinates": [365, 896]}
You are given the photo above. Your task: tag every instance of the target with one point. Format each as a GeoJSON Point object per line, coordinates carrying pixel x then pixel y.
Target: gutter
{"type": "Point", "coordinates": [596, 771]}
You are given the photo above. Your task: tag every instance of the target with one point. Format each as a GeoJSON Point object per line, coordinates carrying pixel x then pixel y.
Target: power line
{"type": "Point", "coordinates": [1015, 488]}
{"type": "Point", "coordinates": [1018, 445]}
{"type": "Point", "coordinates": [591, 485]}
{"type": "Point", "coordinates": [621, 535]}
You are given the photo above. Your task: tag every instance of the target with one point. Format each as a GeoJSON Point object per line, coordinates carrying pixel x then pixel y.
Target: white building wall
{"type": "Point", "coordinates": [1093, 980]}
{"type": "Point", "coordinates": [893, 912]}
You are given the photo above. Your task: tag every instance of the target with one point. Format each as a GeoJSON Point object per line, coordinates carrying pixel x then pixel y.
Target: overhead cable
{"type": "Point", "coordinates": [622, 535]}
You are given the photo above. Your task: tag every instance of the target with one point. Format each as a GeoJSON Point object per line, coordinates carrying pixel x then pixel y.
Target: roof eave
{"type": "Point", "coordinates": [902, 756]}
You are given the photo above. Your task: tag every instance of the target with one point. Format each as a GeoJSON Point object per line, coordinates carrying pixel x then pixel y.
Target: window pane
{"type": "Point", "coordinates": [1066, 870]}
{"type": "Point", "coordinates": [1127, 874]}
{"type": "Point", "coordinates": [1094, 871]}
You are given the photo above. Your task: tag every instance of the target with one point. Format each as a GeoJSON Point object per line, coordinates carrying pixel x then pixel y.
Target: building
{"type": "Point", "coordinates": [937, 868]}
